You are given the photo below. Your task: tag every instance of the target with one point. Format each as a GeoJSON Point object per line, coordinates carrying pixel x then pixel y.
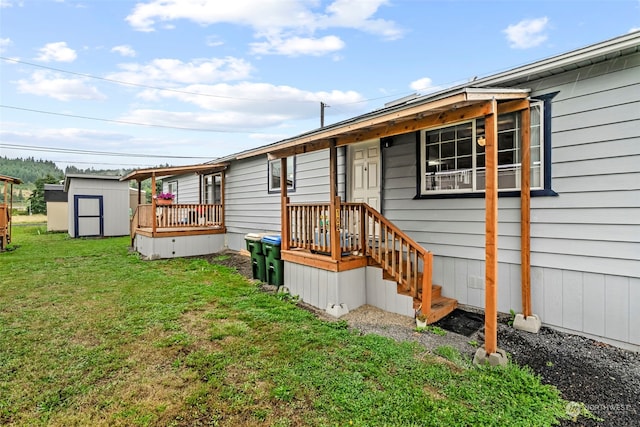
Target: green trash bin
{"type": "Point", "coordinates": [274, 265]}
{"type": "Point", "coordinates": [254, 246]}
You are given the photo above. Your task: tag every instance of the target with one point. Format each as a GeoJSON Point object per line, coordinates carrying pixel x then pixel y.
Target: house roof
{"type": "Point", "coordinates": [412, 107]}
{"type": "Point", "coordinates": [10, 179]}
{"type": "Point", "coordinates": [142, 174]}
{"type": "Point", "coordinates": [389, 121]}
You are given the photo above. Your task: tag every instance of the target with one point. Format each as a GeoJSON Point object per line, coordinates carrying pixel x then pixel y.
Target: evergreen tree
{"type": "Point", "coordinates": [38, 205]}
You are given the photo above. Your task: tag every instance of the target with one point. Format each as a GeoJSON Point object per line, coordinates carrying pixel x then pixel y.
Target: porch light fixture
{"type": "Point", "coordinates": [482, 141]}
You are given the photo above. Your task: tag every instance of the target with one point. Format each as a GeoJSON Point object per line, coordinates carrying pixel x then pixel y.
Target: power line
{"type": "Point", "coordinates": [122, 82]}
{"type": "Point", "coordinates": [101, 153]}
{"type": "Point", "coordinates": [122, 121]}
{"type": "Point", "coordinates": [235, 98]}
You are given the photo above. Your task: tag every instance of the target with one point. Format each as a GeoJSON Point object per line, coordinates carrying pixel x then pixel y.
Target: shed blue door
{"type": "Point", "coordinates": [88, 216]}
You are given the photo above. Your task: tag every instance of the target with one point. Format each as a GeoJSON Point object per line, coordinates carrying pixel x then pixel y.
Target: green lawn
{"type": "Point", "coordinates": [91, 335]}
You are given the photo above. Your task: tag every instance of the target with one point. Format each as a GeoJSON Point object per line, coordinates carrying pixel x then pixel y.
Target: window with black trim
{"type": "Point", "coordinates": [274, 175]}
{"type": "Point", "coordinates": [453, 159]}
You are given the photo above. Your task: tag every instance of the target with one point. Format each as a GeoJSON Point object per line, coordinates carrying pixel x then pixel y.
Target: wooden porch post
{"type": "Point", "coordinates": [153, 205]}
{"type": "Point", "coordinates": [334, 203]}
{"type": "Point", "coordinates": [139, 191]}
{"type": "Point", "coordinates": [525, 211]}
{"type": "Point", "coordinates": [491, 231]}
{"type": "Point", "coordinates": [284, 201]}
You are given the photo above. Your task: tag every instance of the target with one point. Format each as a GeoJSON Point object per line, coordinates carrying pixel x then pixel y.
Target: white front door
{"type": "Point", "coordinates": [365, 173]}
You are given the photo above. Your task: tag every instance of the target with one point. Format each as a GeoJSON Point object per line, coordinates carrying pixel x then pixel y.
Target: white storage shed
{"type": "Point", "coordinates": [98, 205]}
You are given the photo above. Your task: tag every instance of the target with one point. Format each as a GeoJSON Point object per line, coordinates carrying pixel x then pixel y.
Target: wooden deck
{"type": "Point", "coordinates": [323, 261]}
{"type": "Point", "coordinates": [181, 231]}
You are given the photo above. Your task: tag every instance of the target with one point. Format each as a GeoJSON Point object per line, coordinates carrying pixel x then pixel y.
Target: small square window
{"type": "Point", "coordinates": [274, 175]}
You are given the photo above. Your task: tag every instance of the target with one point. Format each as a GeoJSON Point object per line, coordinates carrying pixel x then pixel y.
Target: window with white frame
{"type": "Point", "coordinates": [453, 157]}
{"type": "Point", "coordinates": [274, 175]}
{"type": "Point", "coordinates": [211, 189]}
{"type": "Point", "coordinates": [172, 187]}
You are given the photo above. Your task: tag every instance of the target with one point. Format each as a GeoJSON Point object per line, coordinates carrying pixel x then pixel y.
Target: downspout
{"type": "Point", "coordinates": [153, 204]}
{"type": "Point", "coordinates": [285, 227]}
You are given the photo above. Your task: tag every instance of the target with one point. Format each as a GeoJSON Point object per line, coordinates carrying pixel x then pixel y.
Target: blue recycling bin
{"type": "Point", "coordinates": [274, 266]}
{"type": "Point", "coordinates": [323, 238]}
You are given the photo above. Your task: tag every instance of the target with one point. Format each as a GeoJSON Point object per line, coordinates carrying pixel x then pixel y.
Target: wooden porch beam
{"type": "Point", "coordinates": [525, 212]}
{"type": "Point", "coordinates": [491, 232]}
{"type": "Point", "coordinates": [511, 106]}
{"type": "Point", "coordinates": [300, 149]}
{"type": "Point", "coordinates": [412, 125]}
{"type": "Point", "coordinates": [391, 128]}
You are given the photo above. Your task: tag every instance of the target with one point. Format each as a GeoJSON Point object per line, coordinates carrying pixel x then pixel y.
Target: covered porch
{"type": "Point", "coordinates": [338, 236]}
{"type": "Point", "coordinates": [155, 226]}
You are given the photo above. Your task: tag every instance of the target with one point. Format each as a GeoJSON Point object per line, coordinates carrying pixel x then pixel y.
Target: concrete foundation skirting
{"type": "Point", "coordinates": [178, 246]}
{"type": "Point", "coordinates": [352, 288]}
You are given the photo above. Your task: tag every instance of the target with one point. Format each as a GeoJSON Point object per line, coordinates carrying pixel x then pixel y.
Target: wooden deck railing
{"type": "Point", "coordinates": [177, 216]}
{"type": "Point", "coordinates": [5, 230]}
{"type": "Point", "coordinates": [364, 231]}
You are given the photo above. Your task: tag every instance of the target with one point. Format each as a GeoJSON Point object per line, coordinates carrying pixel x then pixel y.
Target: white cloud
{"type": "Point", "coordinates": [254, 99]}
{"type": "Point", "coordinates": [357, 14]}
{"type": "Point", "coordinates": [527, 33]}
{"type": "Point", "coordinates": [214, 41]}
{"type": "Point", "coordinates": [58, 52]}
{"type": "Point", "coordinates": [5, 3]}
{"type": "Point", "coordinates": [634, 29]}
{"type": "Point", "coordinates": [423, 85]}
{"type": "Point", "coordinates": [240, 108]}
{"type": "Point", "coordinates": [276, 20]}
{"type": "Point", "coordinates": [4, 44]}
{"type": "Point", "coordinates": [124, 50]}
{"type": "Point", "coordinates": [46, 83]}
{"type": "Point", "coordinates": [297, 46]}
{"type": "Point", "coordinates": [174, 71]}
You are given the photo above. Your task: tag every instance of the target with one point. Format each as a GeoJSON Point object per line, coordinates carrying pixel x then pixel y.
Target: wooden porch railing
{"type": "Point", "coordinates": [177, 216]}
{"type": "Point", "coordinates": [363, 231]}
{"type": "Point", "coordinates": [5, 230]}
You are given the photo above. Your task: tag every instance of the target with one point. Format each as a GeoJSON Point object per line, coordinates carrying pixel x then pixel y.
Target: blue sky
{"type": "Point", "coordinates": [127, 84]}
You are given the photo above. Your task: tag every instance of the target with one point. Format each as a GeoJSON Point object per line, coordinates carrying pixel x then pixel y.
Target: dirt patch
{"type": "Point", "coordinates": [605, 378]}
{"type": "Point", "coordinates": [232, 259]}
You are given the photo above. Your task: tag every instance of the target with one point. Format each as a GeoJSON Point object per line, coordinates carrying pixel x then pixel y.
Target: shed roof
{"type": "Point", "coordinates": [68, 178]}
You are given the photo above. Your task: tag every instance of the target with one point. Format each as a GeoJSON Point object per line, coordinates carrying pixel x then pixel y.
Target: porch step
{"type": "Point", "coordinates": [440, 306]}
{"type": "Point", "coordinates": [436, 291]}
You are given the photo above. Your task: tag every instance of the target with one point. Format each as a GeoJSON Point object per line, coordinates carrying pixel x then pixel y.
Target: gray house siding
{"type": "Point", "coordinates": [585, 243]}
{"type": "Point", "coordinates": [250, 208]}
{"type": "Point", "coordinates": [188, 188]}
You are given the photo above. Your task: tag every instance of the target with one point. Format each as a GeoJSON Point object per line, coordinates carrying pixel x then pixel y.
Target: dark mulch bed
{"type": "Point", "coordinates": [605, 378]}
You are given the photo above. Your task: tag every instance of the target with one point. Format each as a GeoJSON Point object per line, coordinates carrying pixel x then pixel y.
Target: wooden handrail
{"type": "Point", "coordinates": [177, 216]}
{"type": "Point", "coordinates": [364, 231]}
